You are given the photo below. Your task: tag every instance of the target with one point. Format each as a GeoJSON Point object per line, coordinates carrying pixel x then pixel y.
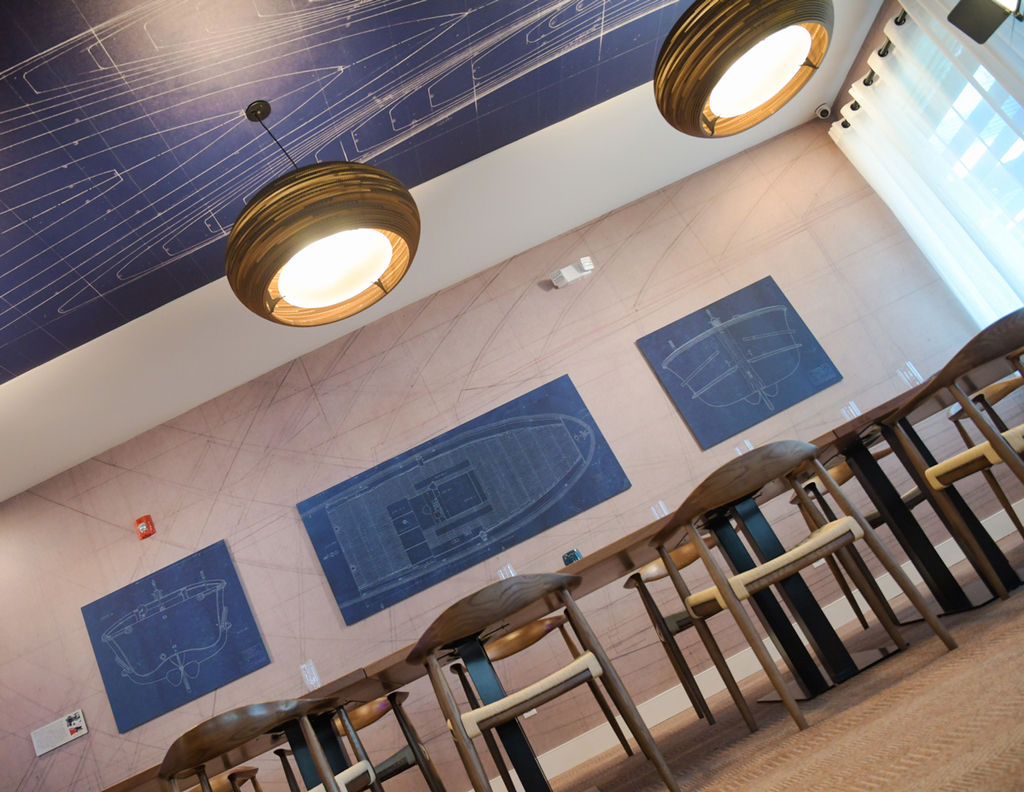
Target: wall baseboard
{"type": "Point", "coordinates": [673, 701]}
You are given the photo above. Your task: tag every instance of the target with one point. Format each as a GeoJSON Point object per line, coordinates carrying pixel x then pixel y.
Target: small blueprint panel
{"type": "Point", "coordinates": [460, 498]}
{"type": "Point", "coordinates": [738, 361]}
{"type": "Point", "coordinates": [173, 636]}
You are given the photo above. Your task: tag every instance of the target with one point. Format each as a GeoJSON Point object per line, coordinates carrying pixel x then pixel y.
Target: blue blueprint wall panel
{"type": "Point", "coordinates": [173, 636]}
{"type": "Point", "coordinates": [460, 498]}
{"type": "Point", "coordinates": [738, 361]}
{"type": "Point", "coordinates": [125, 156]}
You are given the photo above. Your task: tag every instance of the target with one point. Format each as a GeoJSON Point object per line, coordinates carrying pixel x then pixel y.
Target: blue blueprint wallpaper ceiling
{"type": "Point", "coordinates": [125, 154]}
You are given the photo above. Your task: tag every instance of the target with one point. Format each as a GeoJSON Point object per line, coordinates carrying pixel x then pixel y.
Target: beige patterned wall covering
{"type": "Point", "coordinates": [235, 467]}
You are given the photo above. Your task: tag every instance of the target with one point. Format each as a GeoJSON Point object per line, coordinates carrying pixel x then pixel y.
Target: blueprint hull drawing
{"type": "Point", "coordinates": [173, 636]}
{"type": "Point", "coordinates": [458, 499]}
{"type": "Point", "coordinates": [738, 361]}
{"type": "Point", "coordinates": [125, 156]}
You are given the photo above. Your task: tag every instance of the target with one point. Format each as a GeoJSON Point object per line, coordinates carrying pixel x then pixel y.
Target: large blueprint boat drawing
{"type": "Point", "coordinates": [173, 636]}
{"type": "Point", "coordinates": [738, 361]}
{"type": "Point", "coordinates": [460, 498]}
{"type": "Point", "coordinates": [159, 621]}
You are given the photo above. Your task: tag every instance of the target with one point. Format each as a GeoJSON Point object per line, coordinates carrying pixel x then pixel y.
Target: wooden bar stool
{"type": "Point", "coordinates": [211, 742]}
{"type": "Point", "coordinates": [721, 498]}
{"type": "Point", "coordinates": [992, 353]}
{"type": "Point", "coordinates": [458, 630]}
{"type": "Point", "coordinates": [667, 626]}
{"type": "Point", "coordinates": [512, 643]}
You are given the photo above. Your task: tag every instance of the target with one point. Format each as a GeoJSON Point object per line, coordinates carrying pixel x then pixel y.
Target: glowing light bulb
{"type": "Point", "coordinates": [335, 268]}
{"type": "Point", "coordinates": [761, 72]}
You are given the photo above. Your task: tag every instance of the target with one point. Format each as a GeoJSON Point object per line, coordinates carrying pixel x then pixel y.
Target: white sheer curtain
{"type": "Point", "coordinates": [939, 135]}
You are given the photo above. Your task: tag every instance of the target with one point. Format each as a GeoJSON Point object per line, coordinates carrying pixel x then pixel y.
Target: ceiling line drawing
{"type": "Point", "coordinates": [128, 151]}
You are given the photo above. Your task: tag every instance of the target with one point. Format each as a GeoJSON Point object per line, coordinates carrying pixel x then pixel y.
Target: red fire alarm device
{"type": "Point", "coordinates": [144, 526]}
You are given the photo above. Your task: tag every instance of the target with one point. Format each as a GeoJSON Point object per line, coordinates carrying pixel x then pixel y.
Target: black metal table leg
{"type": "Point", "coordinates": [492, 746]}
{"type": "Point", "coordinates": [908, 532]}
{"type": "Point", "coordinates": [488, 686]}
{"type": "Point", "coordinates": [328, 739]}
{"type": "Point", "coordinates": [1004, 570]}
{"type": "Point", "coordinates": [808, 613]}
{"type": "Point", "coordinates": [805, 671]}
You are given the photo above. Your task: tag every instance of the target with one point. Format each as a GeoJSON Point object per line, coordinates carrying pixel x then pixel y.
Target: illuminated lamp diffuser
{"type": "Point", "coordinates": [727, 65]}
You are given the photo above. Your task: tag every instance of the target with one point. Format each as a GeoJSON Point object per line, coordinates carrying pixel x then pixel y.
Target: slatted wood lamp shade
{"type": "Point", "coordinates": [727, 65]}
{"type": "Point", "coordinates": [321, 242]}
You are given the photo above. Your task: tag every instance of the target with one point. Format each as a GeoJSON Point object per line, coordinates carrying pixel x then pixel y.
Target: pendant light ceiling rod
{"type": "Point", "coordinates": [259, 110]}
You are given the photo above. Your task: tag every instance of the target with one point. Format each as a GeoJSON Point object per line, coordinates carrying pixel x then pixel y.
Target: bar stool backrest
{"type": "Point", "coordinates": [736, 480]}
{"type": "Point", "coordinates": [516, 641]}
{"type": "Point", "coordinates": [472, 615]}
{"type": "Point", "coordinates": [996, 346]}
{"type": "Point", "coordinates": [372, 711]}
{"type": "Point", "coordinates": [999, 340]}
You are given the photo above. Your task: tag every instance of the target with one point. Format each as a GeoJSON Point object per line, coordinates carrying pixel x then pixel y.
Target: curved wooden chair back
{"type": "Point", "coordinates": [736, 480]}
{"type": "Point", "coordinates": [516, 641]}
{"type": "Point", "coordinates": [372, 711]}
{"type": "Point", "coordinates": [682, 556]}
{"type": "Point", "coordinates": [472, 615]}
{"type": "Point", "coordinates": [1001, 339]}
{"type": "Point", "coordinates": [231, 729]}
{"type": "Point", "coordinates": [1000, 344]}
{"type": "Point", "coordinates": [990, 395]}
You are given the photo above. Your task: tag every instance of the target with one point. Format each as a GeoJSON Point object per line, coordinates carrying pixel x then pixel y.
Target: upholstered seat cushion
{"type": "Point", "coordinates": [353, 773]}
{"type": "Point", "coordinates": [585, 662]}
{"type": "Point", "coordinates": [743, 583]}
{"type": "Point", "coordinates": [975, 458]}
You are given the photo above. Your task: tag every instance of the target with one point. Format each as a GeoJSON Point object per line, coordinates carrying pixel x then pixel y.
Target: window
{"type": "Point", "coordinates": [938, 132]}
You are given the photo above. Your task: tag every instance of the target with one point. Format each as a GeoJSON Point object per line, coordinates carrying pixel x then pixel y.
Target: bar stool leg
{"type": "Point", "coordinates": [357, 746]}
{"type": "Point", "coordinates": [470, 758]}
{"type": "Point", "coordinates": [672, 650]}
{"type": "Point", "coordinates": [618, 692]}
{"type": "Point", "coordinates": [746, 626]}
{"type": "Point", "coordinates": [492, 744]}
{"type": "Point", "coordinates": [289, 774]}
{"type": "Point", "coordinates": [596, 691]}
{"type": "Point", "coordinates": [316, 752]}
{"type": "Point", "coordinates": [419, 753]}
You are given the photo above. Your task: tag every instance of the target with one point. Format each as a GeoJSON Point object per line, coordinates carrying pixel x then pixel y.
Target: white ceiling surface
{"type": "Point", "coordinates": [205, 343]}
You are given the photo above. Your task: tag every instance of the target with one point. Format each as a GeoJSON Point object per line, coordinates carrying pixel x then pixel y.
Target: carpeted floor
{"type": "Point", "coordinates": [924, 719]}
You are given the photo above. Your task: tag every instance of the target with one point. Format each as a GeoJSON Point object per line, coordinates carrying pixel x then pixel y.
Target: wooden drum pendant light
{"type": "Point", "coordinates": [321, 242]}
{"type": "Point", "coordinates": [713, 36]}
